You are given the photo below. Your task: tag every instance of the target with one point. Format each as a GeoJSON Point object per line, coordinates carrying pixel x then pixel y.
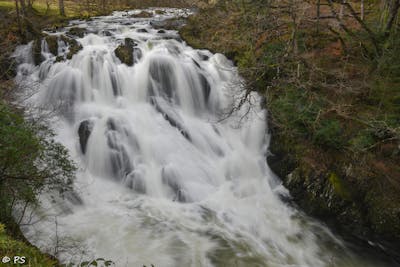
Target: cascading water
{"type": "Point", "coordinates": [165, 176]}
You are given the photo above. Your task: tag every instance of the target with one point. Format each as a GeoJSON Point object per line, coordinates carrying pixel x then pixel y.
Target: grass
{"type": "Point", "coordinates": [11, 248]}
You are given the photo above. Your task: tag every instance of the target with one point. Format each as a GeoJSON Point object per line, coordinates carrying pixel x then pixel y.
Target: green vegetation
{"type": "Point", "coordinates": [11, 247]}
{"type": "Point", "coordinates": [30, 162]}
{"type": "Point", "coordinates": [332, 88]}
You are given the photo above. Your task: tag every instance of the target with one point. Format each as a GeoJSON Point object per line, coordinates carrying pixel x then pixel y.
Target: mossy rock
{"type": "Point", "coordinates": [339, 186]}
{"type": "Point", "coordinates": [143, 14]}
{"type": "Point", "coordinates": [59, 59]}
{"type": "Point", "coordinates": [52, 43]}
{"type": "Point", "coordinates": [74, 46]}
{"type": "Point", "coordinates": [159, 12]}
{"type": "Point", "coordinates": [76, 31]}
{"type": "Point", "coordinates": [125, 52]}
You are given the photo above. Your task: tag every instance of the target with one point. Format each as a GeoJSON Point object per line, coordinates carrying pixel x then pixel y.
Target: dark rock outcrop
{"type": "Point", "coordinates": [76, 31]}
{"type": "Point", "coordinates": [74, 46]}
{"type": "Point", "coordinates": [128, 53]}
{"type": "Point", "coordinates": [37, 51]}
{"type": "Point", "coordinates": [205, 85]}
{"type": "Point", "coordinates": [142, 30]}
{"type": "Point", "coordinates": [84, 131]}
{"type": "Point", "coordinates": [352, 200]}
{"type": "Point", "coordinates": [52, 43]}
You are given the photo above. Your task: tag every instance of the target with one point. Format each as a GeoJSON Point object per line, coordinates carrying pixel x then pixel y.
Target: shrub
{"type": "Point", "coordinates": [329, 134]}
{"type": "Point", "coordinates": [30, 162]}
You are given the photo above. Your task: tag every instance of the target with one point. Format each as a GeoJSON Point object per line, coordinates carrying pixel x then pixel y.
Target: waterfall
{"type": "Point", "coordinates": [172, 170]}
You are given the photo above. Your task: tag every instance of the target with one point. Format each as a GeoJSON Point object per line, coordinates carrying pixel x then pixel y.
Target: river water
{"type": "Point", "coordinates": [169, 173]}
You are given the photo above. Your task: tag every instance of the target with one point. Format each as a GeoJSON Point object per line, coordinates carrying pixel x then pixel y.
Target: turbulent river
{"type": "Point", "coordinates": [171, 172]}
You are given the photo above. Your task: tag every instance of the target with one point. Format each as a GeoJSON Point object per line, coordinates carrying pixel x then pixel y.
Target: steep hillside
{"type": "Point", "coordinates": [329, 75]}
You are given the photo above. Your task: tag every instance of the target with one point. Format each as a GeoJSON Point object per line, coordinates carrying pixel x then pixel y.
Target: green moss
{"type": "Point", "coordinates": [12, 247]}
{"type": "Point", "coordinates": [339, 186]}
{"type": "Point", "coordinates": [143, 14]}
{"type": "Point", "coordinates": [76, 31]}
{"type": "Point", "coordinates": [125, 52]}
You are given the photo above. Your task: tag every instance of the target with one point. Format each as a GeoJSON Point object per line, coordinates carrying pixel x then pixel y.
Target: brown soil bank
{"type": "Point", "coordinates": [330, 80]}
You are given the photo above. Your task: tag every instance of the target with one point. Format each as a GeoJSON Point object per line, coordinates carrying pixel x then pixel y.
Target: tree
{"type": "Point", "coordinates": [23, 6]}
{"type": "Point", "coordinates": [18, 17]}
{"type": "Point", "coordinates": [61, 6]}
{"type": "Point", "coordinates": [30, 162]}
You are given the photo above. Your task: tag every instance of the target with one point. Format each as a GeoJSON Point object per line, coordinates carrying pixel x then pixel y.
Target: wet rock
{"type": "Point", "coordinates": [107, 33]}
{"type": "Point", "coordinates": [169, 24]}
{"type": "Point", "coordinates": [59, 59]}
{"type": "Point", "coordinates": [74, 46]}
{"type": "Point", "coordinates": [142, 30]}
{"type": "Point", "coordinates": [126, 52]}
{"type": "Point", "coordinates": [205, 85]}
{"type": "Point", "coordinates": [76, 31]}
{"type": "Point", "coordinates": [161, 31]}
{"type": "Point", "coordinates": [204, 57]}
{"type": "Point", "coordinates": [130, 42]}
{"type": "Point", "coordinates": [37, 51]}
{"type": "Point", "coordinates": [52, 43]}
{"type": "Point", "coordinates": [84, 131]}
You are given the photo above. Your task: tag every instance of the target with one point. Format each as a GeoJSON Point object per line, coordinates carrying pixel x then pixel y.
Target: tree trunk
{"type": "Point", "coordinates": [318, 13]}
{"type": "Point", "coordinates": [362, 9]}
{"type": "Point", "coordinates": [341, 13]}
{"type": "Point", "coordinates": [392, 16]}
{"type": "Point", "coordinates": [61, 6]}
{"type": "Point", "coordinates": [47, 6]}
{"type": "Point", "coordinates": [18, 18]}
{"type": "Point", "coordinates": [23, 7]}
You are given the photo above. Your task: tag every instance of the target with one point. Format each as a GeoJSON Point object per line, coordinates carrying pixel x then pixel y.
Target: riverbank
{"type": "Point", "coordinates": [333, 107]}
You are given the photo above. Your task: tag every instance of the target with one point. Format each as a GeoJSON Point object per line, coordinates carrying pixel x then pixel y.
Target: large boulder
{"type": "Point", "coordinates": [169, 24]}
{"type": "Point", "coordinates": [143, 14]}
{"type": "Point", "coordinates": [76, 31]}
{"type": "Point", "coordinates": [84, 131]}
{"type": "Point", "coordinates": [128, 53]}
